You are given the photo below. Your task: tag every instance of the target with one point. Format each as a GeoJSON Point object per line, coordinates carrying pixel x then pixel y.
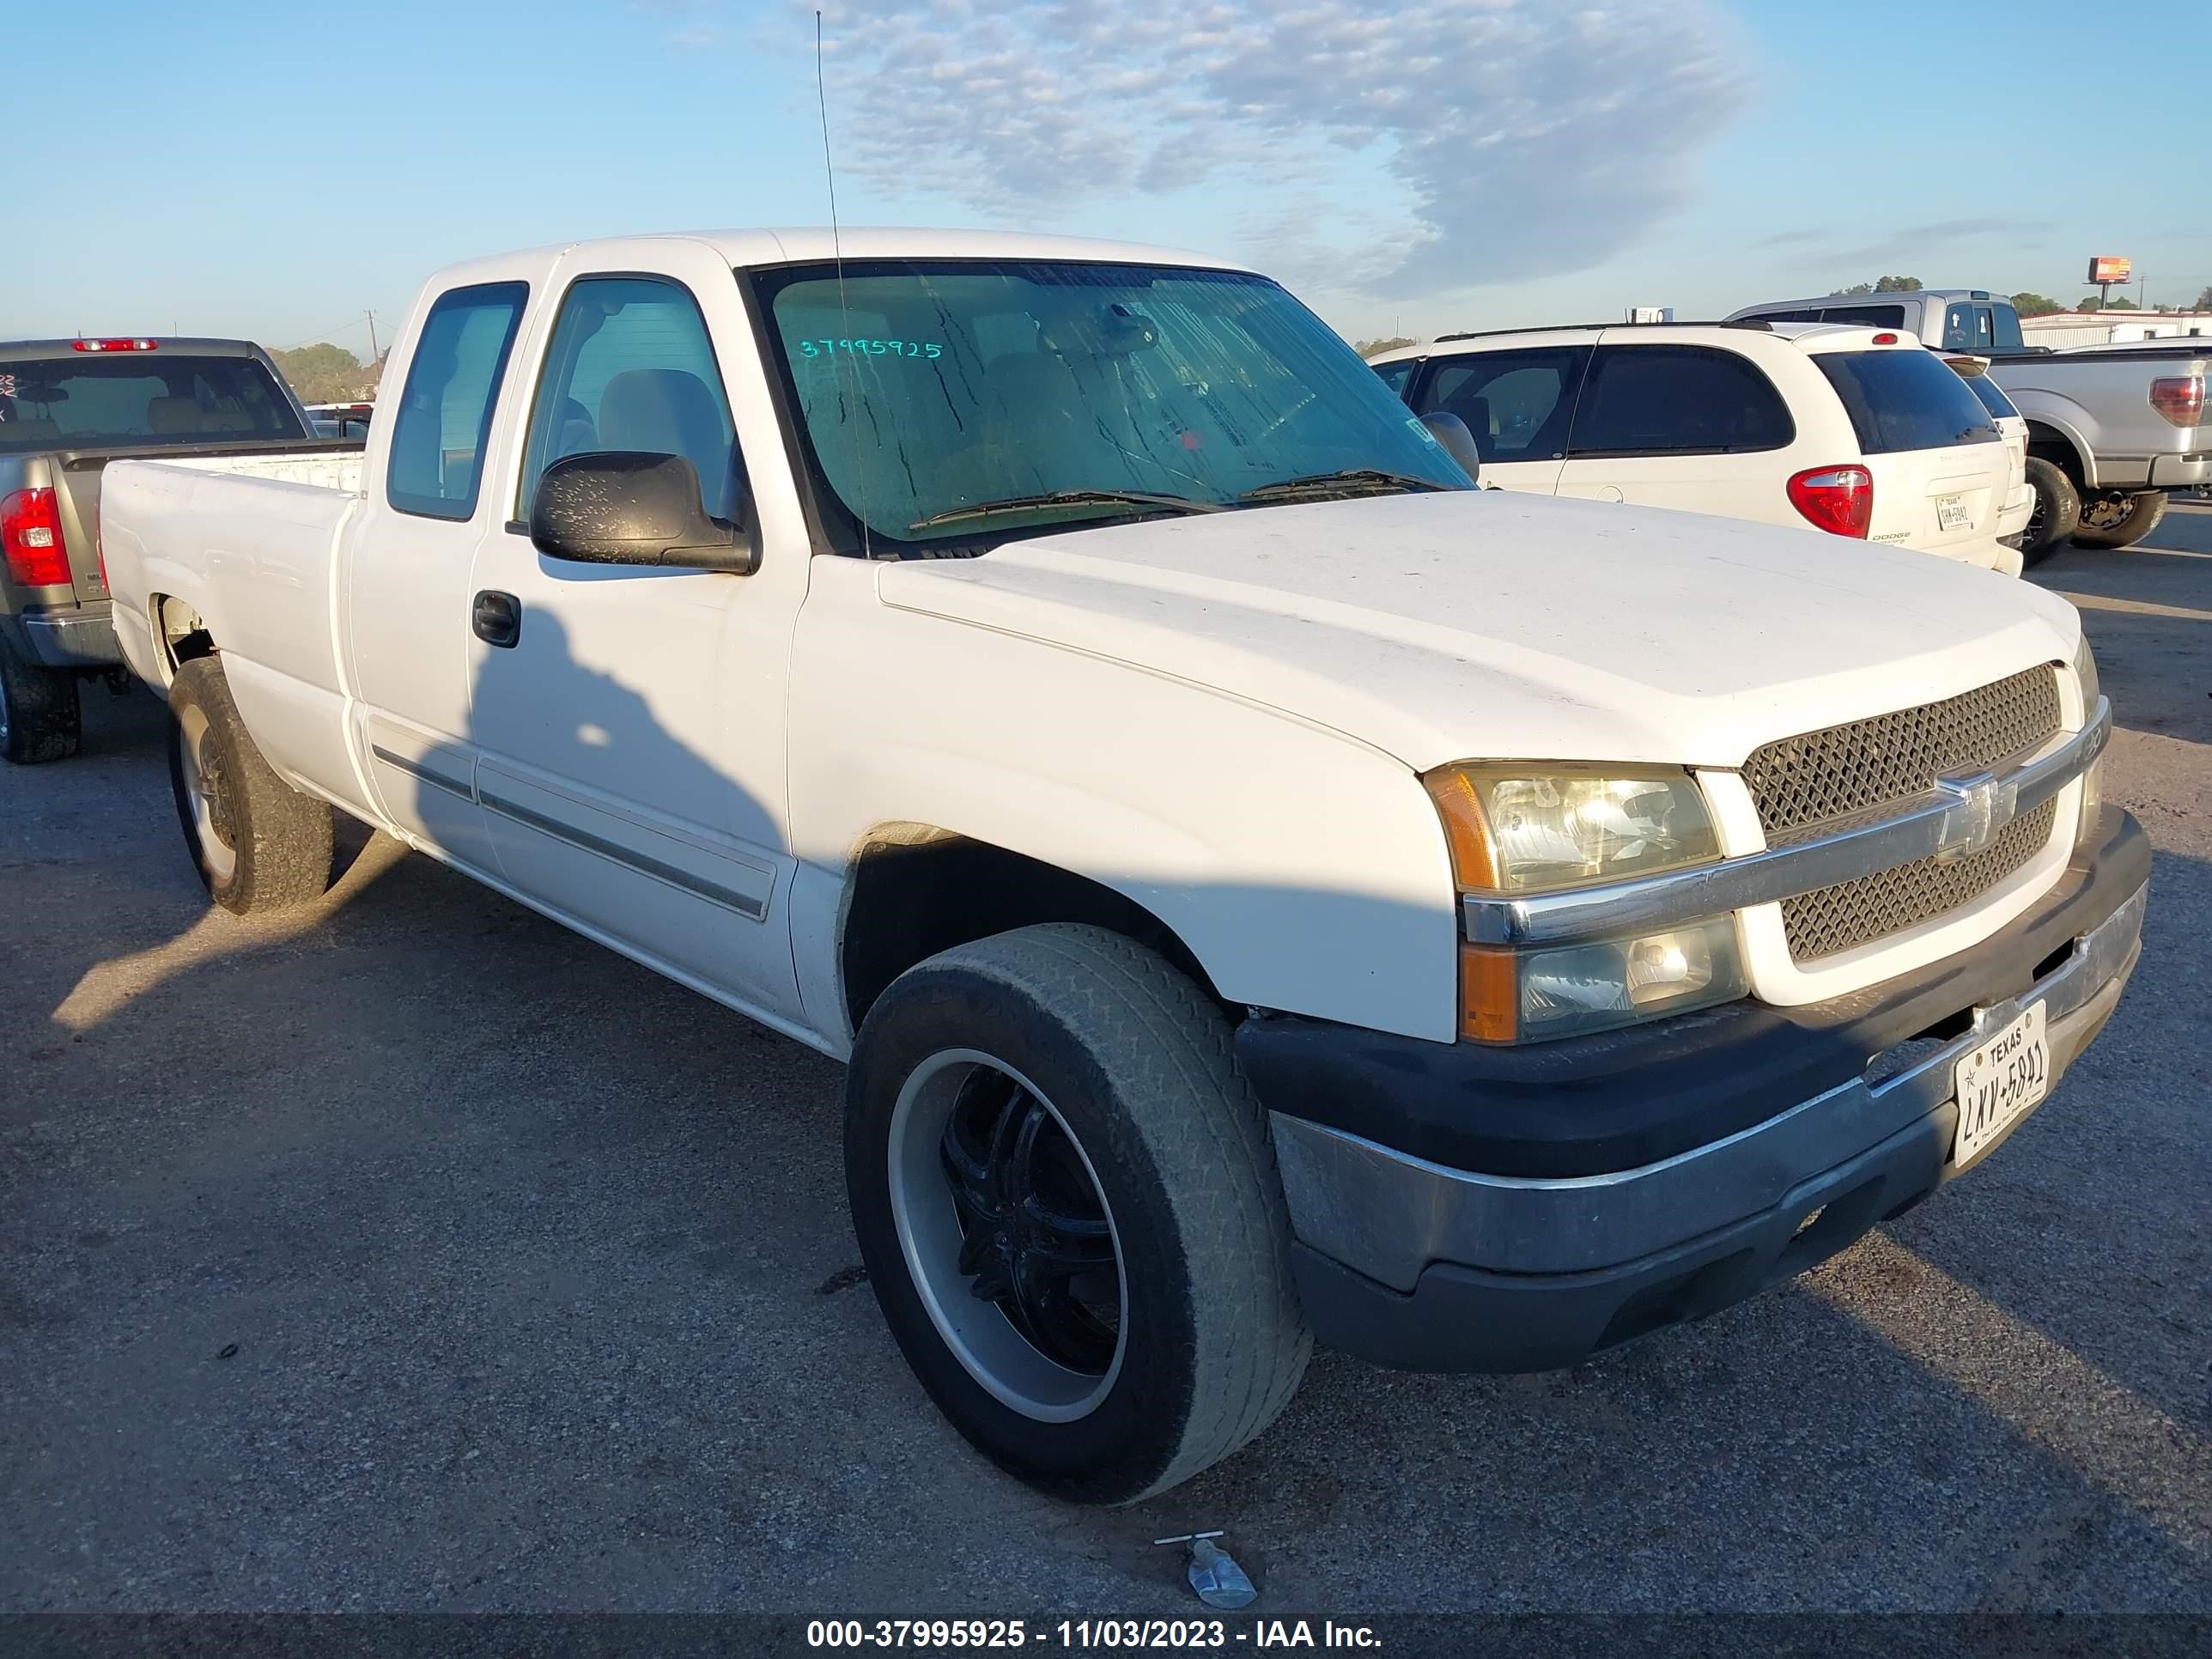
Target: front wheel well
{"type": "Point", "coordinates": [914, 891]}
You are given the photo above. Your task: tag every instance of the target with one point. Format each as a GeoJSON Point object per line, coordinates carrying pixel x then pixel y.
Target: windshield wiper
{"type": "Point", "coordinates": [1355, 477]}
{"type": "Point", "coordinates": [1069, 498]}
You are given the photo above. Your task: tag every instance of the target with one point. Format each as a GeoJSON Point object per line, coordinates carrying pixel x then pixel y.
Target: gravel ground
{"type": "Point", "coordinates": [425, 1256]}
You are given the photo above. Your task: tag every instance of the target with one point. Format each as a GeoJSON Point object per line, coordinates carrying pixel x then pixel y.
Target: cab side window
{"type": "Point", "coordinates": [1394, 375]}
{"type": "Point", "coordinates": [1678, 400]}
{"type": "Point", "coordinates": [1864, 316]}
{"type": "Point", "coordinates": [445, 413]}
{"type": "Point", "coordinates": [630, 368]}
{"type": "Point", "coordinates": [1517, 403]}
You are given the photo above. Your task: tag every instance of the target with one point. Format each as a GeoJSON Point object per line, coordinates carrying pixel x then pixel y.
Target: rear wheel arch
{"type": "Point", "coordinates": [181, 635]}
{"type": "Point", "coordinates": [2046, 443]}
{"type": "Point", "coordinates": [914, 889]}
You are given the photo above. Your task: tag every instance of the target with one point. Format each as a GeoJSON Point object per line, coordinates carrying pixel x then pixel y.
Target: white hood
{"type": "Point", "coordinates": [1497, 625]}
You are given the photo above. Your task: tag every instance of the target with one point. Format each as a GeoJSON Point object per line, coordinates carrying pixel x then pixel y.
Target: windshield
{"type": "Point", "coordinates": [967, 401]}
{"type": "Point", "coordinates": [82, 401]}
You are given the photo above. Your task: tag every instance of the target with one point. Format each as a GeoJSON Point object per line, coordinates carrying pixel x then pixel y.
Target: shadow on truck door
{"type": "Point", "coordinates": [674, 846]}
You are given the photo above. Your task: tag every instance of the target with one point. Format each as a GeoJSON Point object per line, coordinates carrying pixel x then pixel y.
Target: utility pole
{"type": "Point", "coordinates": [372, 339]}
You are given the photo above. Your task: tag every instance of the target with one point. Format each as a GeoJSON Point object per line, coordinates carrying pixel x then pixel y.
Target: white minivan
{"type": "Point", "coordinates": [1860, 432]}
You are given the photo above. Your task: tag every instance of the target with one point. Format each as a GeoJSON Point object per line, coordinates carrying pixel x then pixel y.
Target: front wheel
{"type": "Point", "coordinates": [2119, 519]}
{"type": "Point", "coordinates": [260, 845]}
{"type": "Point", "coordinates": [1068, 1204]}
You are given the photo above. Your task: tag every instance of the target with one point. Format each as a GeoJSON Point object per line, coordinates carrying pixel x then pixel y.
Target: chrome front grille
{"type": "Point", "coordinates": [1854, 913]}
{"type": "Point", "coordinates": [1800, 783]}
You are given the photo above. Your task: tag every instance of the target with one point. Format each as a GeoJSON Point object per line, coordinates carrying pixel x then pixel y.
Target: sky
{"type": "Point", "coordinates": [279, 171]}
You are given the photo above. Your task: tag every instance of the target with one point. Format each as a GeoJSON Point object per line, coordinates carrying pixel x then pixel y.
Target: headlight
{"type": "Point", "coordinates": [2092, 793]}
{"type": "Point", "coordinates": [1566, 990]}
{"type": "Point", "coordinates": [1518, 830]}
{"type": "Point", "coordinates": [1528, 830]}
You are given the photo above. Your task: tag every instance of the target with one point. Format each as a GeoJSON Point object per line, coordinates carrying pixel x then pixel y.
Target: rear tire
{"type": "Point", "coordinates": [1054, 1095]}
{"type": "Point", "coordinates": [39, 720]}
{"type": "Point", "coordinates": [2057, 510]}
{"type": "Point", "coordinates": [259, 845]}
{"type": "Point", "coordinates": [2122, 522]}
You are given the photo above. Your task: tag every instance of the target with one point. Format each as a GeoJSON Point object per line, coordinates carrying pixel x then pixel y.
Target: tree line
{"type": "Point", "coordinates": [326, 374]}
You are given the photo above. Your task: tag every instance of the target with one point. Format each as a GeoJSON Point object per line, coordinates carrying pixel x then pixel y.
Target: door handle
{"type": "Point", "coordinates": [496, 617]}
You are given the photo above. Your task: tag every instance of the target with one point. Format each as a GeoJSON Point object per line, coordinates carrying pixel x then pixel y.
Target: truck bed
{"type": "Point", "coordinates": [2099, 400]}
{"type": "Point", "coordinates": [267, 525]}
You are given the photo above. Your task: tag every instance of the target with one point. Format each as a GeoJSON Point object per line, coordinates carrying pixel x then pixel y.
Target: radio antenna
{"type": "Point", "coordinates": [829, 171]}
{"type": "Point", "coordinates": [837, 253]}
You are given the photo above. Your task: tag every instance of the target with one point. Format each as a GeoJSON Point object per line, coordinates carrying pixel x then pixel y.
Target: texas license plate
{"type": "Point", "coordinates": [1999, 1080]}
{"type": "Point", "coordinates": [1951, 513]}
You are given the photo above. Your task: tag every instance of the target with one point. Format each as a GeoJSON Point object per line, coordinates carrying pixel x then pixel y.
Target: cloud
{"type": "Point", "coordinates": [1464, 142]}
{"type": "Point", "coordinates": [1913, 242]}
{"type": "Point", "coordinates": [689, 24]}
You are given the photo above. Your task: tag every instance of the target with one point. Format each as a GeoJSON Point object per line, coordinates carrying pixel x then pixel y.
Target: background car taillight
{"type": "Point", "coordinates": [1836, 499]}
{"type": "Point", "coordinates": [115, 345]}
{"type": "Point", "coordinates": [31, 535]}
{"type": "Point", "coordinates": [2180, 398]}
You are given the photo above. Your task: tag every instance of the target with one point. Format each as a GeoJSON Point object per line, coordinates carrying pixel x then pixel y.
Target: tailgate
{"type": "Point", "coordinates": [1934, 499]}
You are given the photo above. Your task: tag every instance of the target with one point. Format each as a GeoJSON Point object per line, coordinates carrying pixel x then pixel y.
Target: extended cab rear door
{"type": "Point", "coordinates": [630, 730]}
{"type": "Point", "coordinates": [411, 550]}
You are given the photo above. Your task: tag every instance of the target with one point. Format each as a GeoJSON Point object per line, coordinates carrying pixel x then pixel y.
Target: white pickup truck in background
{"type": "Point", "coordinates": [2111, 430]}
{"type": "Point", "coordinates": [1265, 889]}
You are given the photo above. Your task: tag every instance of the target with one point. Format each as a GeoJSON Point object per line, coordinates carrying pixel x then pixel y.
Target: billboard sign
{"type": "Point", "coordinates": [2105, 269]}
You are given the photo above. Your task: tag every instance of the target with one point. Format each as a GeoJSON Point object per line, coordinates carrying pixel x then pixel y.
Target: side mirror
{"type": "Point", "coordinates": [1452, 433]}
{"type": "Point", "coordinates": [609, 507]}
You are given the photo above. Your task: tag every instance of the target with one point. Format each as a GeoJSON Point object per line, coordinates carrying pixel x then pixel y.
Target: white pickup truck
{"type": "Point", "coordinates": [1265, 888]}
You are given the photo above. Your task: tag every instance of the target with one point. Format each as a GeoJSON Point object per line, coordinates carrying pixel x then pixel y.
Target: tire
{"type": "Point", "coordinates": [39, 720]}
{"type": "Point", "coordinates": [2120, 523]}
{"type": "Point", "coordinates": [2057, 510]}
{"type": "Point", "coordinates": [259, 845]}
{"type": "Point", "coordinates": [1089, 1045]}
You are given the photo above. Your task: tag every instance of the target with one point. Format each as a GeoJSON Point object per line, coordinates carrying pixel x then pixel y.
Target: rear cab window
{"type": "Point", "coordinates": [1678, 400]}
{"type": "Point", "coordinates": [444, 421]}
{"type": "Point", "coordinates": [1968, 327]}
{"type": "Point", "coordinates": [141, 398]}
{"type": "Point", "coordinates": [1516, 403]}
{"type": "Point", "coordinates": [1904, 399]}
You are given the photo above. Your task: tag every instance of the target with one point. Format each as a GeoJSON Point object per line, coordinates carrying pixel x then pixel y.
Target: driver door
{"type": "Point", "coordinates": [631, 731]}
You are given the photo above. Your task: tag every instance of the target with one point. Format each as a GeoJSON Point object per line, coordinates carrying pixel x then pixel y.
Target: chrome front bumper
{"type": "Point", "coordinates": [1388, 1216]}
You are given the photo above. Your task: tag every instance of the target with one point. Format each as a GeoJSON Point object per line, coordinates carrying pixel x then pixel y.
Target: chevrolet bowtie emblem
{"type": "Point", "coordinates": [1981, 806]}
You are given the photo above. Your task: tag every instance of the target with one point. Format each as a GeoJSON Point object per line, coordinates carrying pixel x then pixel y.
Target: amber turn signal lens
{"type": "Point", "coordinates": [1474, 862]}
{"type": "Point", "coordinates": [1489, 994]}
